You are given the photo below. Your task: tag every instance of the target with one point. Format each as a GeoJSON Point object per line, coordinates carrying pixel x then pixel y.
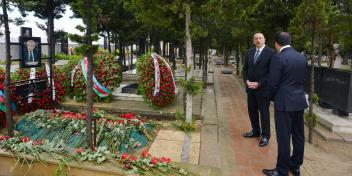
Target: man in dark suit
{"type": "Point", "coordinates": [255, 75]}
{"type": "Point", "coordinates": [286, 81]}
{"type": "Point", "coordinates": [31, 54]}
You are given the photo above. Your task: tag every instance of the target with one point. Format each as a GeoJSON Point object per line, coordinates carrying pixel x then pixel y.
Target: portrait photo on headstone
{"type": "Point", "coordinates": [26, 32]}
{"type": "Point", "coordinates": [30, 52]}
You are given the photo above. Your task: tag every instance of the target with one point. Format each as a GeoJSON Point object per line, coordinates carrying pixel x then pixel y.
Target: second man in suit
{"type": "Point", "coordinates": [286, 83]}
{"type": "Point", "coordinates": [255, 75]}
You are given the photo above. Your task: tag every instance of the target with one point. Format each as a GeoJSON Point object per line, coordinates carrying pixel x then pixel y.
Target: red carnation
{"type": "Point", "coordinates": [25, 139]}
{"type": "Point", "coordinates": [132, 158]}
{"type": "Point", "coordinates": [165, 160]}
{"type": "Point", "coordinates": [38, 142]}
{"type": "Point", "coordinates": [124, 156]}
{"type": "Point", "coordinates": [145, 154]}
{"type": "Point", "coordinates": [154, 161]}
{"type": "Point", "coordinates": [4, 137]}
{"type": "Point", "coordinates": [80, 150]}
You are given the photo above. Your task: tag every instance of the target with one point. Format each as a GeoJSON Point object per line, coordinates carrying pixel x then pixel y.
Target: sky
{"type": "Point", "coordinates": [65, 23]}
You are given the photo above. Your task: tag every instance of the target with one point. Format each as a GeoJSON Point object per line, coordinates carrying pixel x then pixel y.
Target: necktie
{"type": "Point", "coordinates": [31, 56]}
{"type": "Point", "coordinates": [256, 55]}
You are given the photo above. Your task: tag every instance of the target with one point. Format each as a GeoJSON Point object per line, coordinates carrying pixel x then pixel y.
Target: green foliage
{"type": "Point", "coordinates": [315, 98]}
{"type": "Point", "coordinates": [191, 86]}
{"type": "Point", "coordinates": [310, 21]}
{"type": "Point", "coordinates": [62, 56]}
{"type": "Point", "coordinates": [311, 120]}
{"type": "Point", "coordinates": [181, 123]}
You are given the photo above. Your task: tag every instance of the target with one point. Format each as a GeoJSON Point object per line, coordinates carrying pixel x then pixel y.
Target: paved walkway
{"type": "Point", "coordinates": [239, 156]}
{"type": "Point", "coordinates": [243, 157]}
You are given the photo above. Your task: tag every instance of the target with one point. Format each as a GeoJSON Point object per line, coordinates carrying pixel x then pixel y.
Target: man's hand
{"type": "Point", "coordinates": [252, 85]}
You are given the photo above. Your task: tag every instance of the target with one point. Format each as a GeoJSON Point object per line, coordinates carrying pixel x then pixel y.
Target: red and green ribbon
{"type": "Point", "coordinates": [99, 89]}
{"type": "Point", "coordinates": [2, 103]}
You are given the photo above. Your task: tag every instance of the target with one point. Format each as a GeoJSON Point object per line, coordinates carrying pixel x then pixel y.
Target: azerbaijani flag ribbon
{"type": "Point", "coordinates": [2, 103]}
{"type": "Point", "coordinates": [99, 89]}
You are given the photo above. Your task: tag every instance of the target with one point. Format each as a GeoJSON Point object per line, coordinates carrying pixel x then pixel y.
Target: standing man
{"type": "Point", "coordinates": [286, 82]}
{"type": "Point", "coordinates": [255, 75]}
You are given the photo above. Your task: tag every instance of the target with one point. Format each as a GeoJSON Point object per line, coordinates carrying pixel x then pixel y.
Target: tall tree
{"type": "Point", "coordinates": [189, 60]}
{"type": "Point", "coordinates": [5, 21]}
{"type": "Point", "coordinates": [310, 19]}
{"type": "Point", "coordinates": [89, 11]}
{"type": "Point", "coordinates": [9, 120]}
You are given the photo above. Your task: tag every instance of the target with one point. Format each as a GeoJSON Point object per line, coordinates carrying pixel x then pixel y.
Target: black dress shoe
{"type": "Point", "coordinates": [251, 134]}
{"type": "Point", "coordinates": [264, 141]}
{"type": "Point", "coordinates": [271, 172]}
{"type": "Point", "coordinates": [295, 171]}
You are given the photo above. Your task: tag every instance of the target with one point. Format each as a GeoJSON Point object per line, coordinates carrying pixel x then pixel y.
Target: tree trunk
{"type": "Point", "coordinates": [331, 46]}
{"type": "Point", "coordinates": [164, 48]}
{"type": "Point", "coordinates": [120, 54]}
{"type": "Point", "coordinates": [157, 47]}
{"type": "Point", "coordinates": [345, 58]}
{"type": "Point", "coordinates": [124, 55]}
{"type": "Point", "coordinates": [205, 68]}
{"type": "Point", "coordinates": [131, 61]}
{"type": "Point", "coordinates": [89, 87]}
{"type": "Point", "coordinates": [9, 120]}
{"type": "Point", "coordinates": [311, 92]}
{"type": "Point", "coordinates": [200, 54]}
{"type": "Point", "coordinates": [172, 55]}
{"type": "Point", "coordinates": [51, 47]}
{"type": "Point", "coordinates": [194, 58]}
{"type": "Point", "coordinates": [184, 56]}
{"type": "Point", "coordinates": [141, 48]}
{"type": "Point", "coordinates": [119, 61]}
{"type": "Point", "coordinates": [109, 43]}
{"type": "Point", "coordinates": [320, 49]}
{"type": "Point", "coordinates": [226, 57]}
{"type": "Point", "coordinates": [189, 62]}
{"type": "Point", "coordinates": [237, 56]}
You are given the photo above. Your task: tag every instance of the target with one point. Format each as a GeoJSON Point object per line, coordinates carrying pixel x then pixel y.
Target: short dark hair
{"type": "Point", "coordinates": [283, 38]}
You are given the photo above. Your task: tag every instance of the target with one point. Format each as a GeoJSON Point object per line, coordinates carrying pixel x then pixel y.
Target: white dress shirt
{"type": "Point", "coordinates": [286, 46]}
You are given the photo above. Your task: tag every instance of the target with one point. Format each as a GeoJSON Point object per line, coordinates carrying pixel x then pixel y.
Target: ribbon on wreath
{"type": "Point", "coordinates": [47, 68]}
{"type": "Point", "coordinates": [157, 73]}
{"type": "Point", "coordinates": [2, 103]}
{"type": "Point", "coordinates": [99, 89]}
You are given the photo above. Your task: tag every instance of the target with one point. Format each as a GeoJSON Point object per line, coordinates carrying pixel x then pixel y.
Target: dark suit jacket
{"type": "Point", "coordinates": [258, 72]}
{"type": "Point", "coordinates": [26, 58]}
{"type": "Point", "coordinates": [288, 70]}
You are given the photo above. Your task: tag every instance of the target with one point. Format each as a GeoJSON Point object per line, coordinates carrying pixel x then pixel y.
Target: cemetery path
{"type": "Point", "coordinates": [239, 155]}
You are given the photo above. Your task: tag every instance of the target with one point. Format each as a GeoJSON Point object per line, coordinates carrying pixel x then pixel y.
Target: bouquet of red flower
{"type": "Point", "coordinates": [146, 164]}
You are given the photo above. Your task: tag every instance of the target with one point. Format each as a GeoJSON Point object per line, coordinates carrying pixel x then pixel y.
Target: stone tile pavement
{"type": "Point", "coordinates": [239, 156]}
{"type": "Point", "coordinates": [169, 143]}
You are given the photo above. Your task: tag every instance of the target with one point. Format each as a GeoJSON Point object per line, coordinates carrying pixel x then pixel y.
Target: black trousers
{"type": "Point", "coordinates": [259, 104]}
{"type": "Point", "coordinates": [289, 124]}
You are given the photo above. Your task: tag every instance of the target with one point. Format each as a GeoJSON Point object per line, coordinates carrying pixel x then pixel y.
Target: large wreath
{"type": "Point", "coordinates": [105, 69]}
{"type": "Point", "coordinates": [156, 83]}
